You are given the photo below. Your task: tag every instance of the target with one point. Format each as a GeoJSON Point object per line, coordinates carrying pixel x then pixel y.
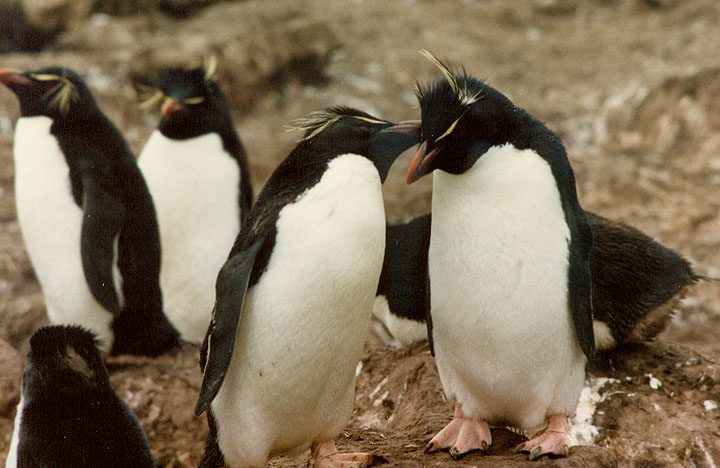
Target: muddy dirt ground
{"type": "Point", "coordinates": [632, 87]}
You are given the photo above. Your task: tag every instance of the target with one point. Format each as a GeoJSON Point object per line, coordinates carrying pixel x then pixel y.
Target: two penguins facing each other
{"type": "Point", "coordinates": [339, 143]}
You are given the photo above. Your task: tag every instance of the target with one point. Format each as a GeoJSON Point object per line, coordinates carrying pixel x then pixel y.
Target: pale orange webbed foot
{"type": "Point", "coordinates": [324, 454]}
{"type": "Point", "coordinates": [553, 440]}
{"type": "Point", "coordinates": [461, 436]}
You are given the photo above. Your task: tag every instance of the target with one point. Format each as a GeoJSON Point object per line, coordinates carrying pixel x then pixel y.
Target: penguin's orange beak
{"type": "Point", "coordinates": [420, 164]}
{"type": "Point", "coordinates": [9, 76]}
{"type": "Point", "coordinates": [171, 106]}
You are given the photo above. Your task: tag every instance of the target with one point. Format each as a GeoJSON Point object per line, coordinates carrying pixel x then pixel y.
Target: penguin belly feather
{"type": "Point", "coordinates": [292, 376]}
{"type": "Point", "coordinates": [51, 224]}
{"type": "Point", "coordinates": [195, 188]}
{"type": "Point", "coordinates": [504, 339]}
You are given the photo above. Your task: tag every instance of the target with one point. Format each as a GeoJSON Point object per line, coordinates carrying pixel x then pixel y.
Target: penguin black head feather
{"type": "Point", "coordinates": [341, 130]}
{"type": "Point", "coordinates": [54, 92]}
{"type": "Point", "coordinates": [191, 101]}
{"type": "Point", "coordinates": [462, 117]}
{"type": "Point", "coordinates": [65, 359]}
{"type": "Point", "coordinates": [69, 414]}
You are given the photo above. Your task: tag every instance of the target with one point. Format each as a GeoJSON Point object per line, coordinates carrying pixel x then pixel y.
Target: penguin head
{"type": "Point", "coordinates": [462, 118]}
{"type": "Point", "coordinates": [192, 103]}
{"type": "Point", "coordinates": [342, 130]}
{"type": "Point", "coordinates": [54, 92]}
{"type": "Point", "coordinates": [63, 360]}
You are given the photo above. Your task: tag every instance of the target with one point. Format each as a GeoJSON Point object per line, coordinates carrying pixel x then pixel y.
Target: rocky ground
{"type": "Point", "coordinates": [632, 86]}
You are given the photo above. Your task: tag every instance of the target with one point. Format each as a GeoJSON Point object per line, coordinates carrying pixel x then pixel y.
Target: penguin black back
{"type": "Point", "coordinates": [634, 280]}
{"type": "Point", "coordinates": [404, 276]}
{"type": "Point", "coordinates": [71, 416]}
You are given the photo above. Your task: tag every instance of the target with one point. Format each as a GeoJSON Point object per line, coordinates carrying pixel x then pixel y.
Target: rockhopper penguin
{"type": "Point", "coordinates": [68, 415]}
{"type": "Point", "coordinates": [86, 215]}
{"type": "Point", "coordinates": [509, 267]}
{"type": "Point", "coordinates": [197, 172]}
{"type": "Point", "coordinates": [637, 283]}
{"type": "Point", "coordinates": [294, 298]}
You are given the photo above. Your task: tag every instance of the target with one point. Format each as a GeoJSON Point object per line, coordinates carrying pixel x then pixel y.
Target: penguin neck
{"type": "Point", "coordinates": [506, 182]}
{"type": "Point", "coordinates": [188, 130]}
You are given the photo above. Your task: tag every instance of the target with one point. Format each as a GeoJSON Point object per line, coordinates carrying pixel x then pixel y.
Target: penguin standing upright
{"type": "Point", "coordinates": [294, 299]}
{"type": "Point", "coordinates": [68, 415]}
{"type": "Point", "coordinates": [197, 172]}
{"type": "Point", "coordinates": [509, 267]}
{"type": "Point", "coordinates": [86, 215]}
{"type": "Point", "coordinates": [637, 283]}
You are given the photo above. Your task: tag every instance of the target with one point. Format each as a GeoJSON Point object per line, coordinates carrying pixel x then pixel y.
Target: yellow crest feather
{"type": "Point", "coordinates": [314, 123]}
{"type": "Point", "coordinates": [149, 96]}
{"type": "Point", "coordinates": [210, 64]}
{"type": "Point", "coordinates": [463, 94]}
{"type": "Point", "coordinates": [62, 94]}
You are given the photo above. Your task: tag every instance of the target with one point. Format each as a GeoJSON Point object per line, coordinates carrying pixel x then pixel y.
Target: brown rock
{"type": "Point", "coordinates": [11, 370]}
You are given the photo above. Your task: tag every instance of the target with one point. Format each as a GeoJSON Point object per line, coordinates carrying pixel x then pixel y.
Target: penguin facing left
{"type": "Point", "coordinates": [294, 299]}
{"type": "Point", "coordinates": [68, 415]}
{"type": "Point", "coordinates": [86, 215]}
{"type": "Point", "coordinates": [197, 172]}
{"type": "Point", "coordinates": [509, 267]}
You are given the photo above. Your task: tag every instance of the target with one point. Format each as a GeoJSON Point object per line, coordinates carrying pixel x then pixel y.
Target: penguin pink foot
{"type": "Point", "coordinates": [552, 440]}
{"type": "Point", "coordinates": [324, 454]}
{"type": "Point", "coordinates": [461, 436]}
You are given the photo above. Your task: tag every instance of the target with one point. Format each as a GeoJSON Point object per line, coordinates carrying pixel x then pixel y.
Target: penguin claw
{"type": "Point", "coordinates": [553, 440]}
{"type": "Point", "coordinates": [461, 436]}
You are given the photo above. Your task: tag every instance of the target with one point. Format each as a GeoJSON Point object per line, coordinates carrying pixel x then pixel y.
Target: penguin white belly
{"type": "Point", "coordinates": [195, 188]}
{"type": "Point", "coordinates": [51, 223]}
{"type": "Point", "coordinates": [11, 460]}
{"type": "Point", "coordinates": [292, 376]}
{"type": "Point", "coordinates": [504, 339]}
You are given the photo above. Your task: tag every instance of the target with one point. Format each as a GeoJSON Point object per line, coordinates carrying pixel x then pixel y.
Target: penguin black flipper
{"type": "Point", "coordinates": [579, 258]}
{"type": "Point", "coordinates": [246, 191]}
{"type": "Point", "coordinates": [428, 316]}
{"type": "Point", "coordinates": [231, 286]}
{"type": "Point", "coordinates": [103, 217]}
{"type": "Point", "coordinates": [580, 283]}
{"type": "Point", "coordinates": [141, 327]}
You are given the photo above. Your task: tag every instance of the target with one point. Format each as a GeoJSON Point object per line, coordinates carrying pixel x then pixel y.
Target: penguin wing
{"type": "Point", "coordinates": [230, 288]}
{"type": "Point", "coordinates": [103, 216]}
{"type": "Point", "coordinates": [579, 281]}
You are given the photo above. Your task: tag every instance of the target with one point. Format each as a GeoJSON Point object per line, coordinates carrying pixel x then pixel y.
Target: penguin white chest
{"type": "Point", "coordinates": [195, 188]}
{"type": "Point", "coordinates": [51, 223]}
{"type": "Point", "coordinates": [498, 262]}
{"type": "Point", "coordinates": [292, 376]}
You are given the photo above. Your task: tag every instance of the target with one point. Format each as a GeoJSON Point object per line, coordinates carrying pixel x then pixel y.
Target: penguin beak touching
{"type": "Point", "coordinates": [408, 127]}
{"type": "Point", "coordinates": [10, 76]}
{"type": "Point", "coordinates": [420, 164]}
{"type": "Point", "coordinates": [392, 141]}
